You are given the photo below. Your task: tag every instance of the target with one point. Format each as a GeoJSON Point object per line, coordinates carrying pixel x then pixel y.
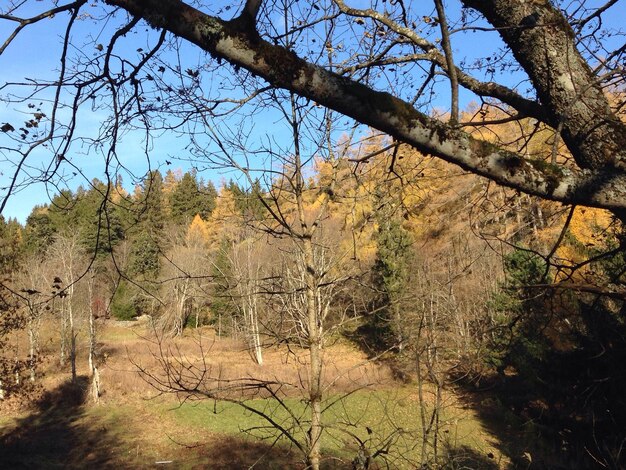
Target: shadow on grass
{"type": "Point", "coordinates": [61, 433]}
{"type": "Point", "coordinates": [229, 452]}
{"type": "Point", "coordinates": [538, 431]}
{"type": "Point", "coordinates": [521, 421]}
{"type": "Point", "coordinates": [465, 457]}
{"type": "Point", "coordinates": [54, 435]}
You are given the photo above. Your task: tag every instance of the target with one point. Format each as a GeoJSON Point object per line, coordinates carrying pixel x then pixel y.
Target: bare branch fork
{"type": "Point", "coordinates": [600, 185]}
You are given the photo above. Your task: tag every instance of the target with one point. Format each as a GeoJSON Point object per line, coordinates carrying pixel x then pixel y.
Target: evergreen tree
{"type": "Point", "coordinates": [11, 245]}
{"type": "Point", "coordinates": [190, 198]}
{"type": "Point", "coordinates": [63, 209]}
{"type": "Point", "coordinates": [170, 181]}
{"type": "Point", "coordinates": [564, 350]}
{"type": "Point", "coordinates": [123, 304]}
{"type": "Point", "coordinates": [148, 231]}
{"type": "Point", "coordinates": [40, 230]}
{"type": "Point", "coordinates": [247, 201]}
{"type": "Point", "coordinates": [144, 260]}
{"type": "Point", "coordinates": [12, 317]}
{"type": "Point", "coordinates": [207, 198]}
{"type": "Point", "coordinates": [521, 315]}
{"type": "Point", "coordinates": [98, 222]}
{"type": "Point", "coordinates": [151, 214]}
{"type": "Point", "coordinates": [222, 305]}
{"type": "Point", "coordinates": [390, 277]}
{"type": "Point", "coordinates": [45, 221]}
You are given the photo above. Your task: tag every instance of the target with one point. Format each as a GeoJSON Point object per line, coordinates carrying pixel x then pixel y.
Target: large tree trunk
{"type": "Point", "coordinates": [544, 44]}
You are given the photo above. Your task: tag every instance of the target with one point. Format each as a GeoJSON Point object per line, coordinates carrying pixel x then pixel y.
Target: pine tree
{"type": "Point", "coordinates": [390, 276]}
{"type": "Point", "coordinates": [222, 306]}
{"type": "Point", "coordinates": [12, 317]}
{"type": "Point", "coordinates": [207, 198]}
{"type": "Point", "coordinates": [247, 201]}
{"type": "Point", "coordinates": [11, 245]}
{"type": "Point", "coordinates": [190, 198]}
{"type": "Point", "coordinates": [148, 239]}
{"type": "Point", "coordinates": [97, 220]}
{"type": "Point", "coordinates": [40, 230]}
{"type": "Point", "coordinates": [144, 257]}
{"type": "Point", "coordinates": [122, 304]}
{"type": "Point", "coordinates": [151, 213]}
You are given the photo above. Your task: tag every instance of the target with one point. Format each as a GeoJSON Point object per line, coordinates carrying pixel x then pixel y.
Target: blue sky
{"type": "Point", "coordinates": [35, 54]}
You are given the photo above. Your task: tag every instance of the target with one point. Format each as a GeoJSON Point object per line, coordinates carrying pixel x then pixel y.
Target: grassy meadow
{"type": "Point", "coordinates": [134, 426]}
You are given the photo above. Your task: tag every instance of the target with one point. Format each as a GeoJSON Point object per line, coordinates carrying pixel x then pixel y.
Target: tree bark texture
{"type": "Point", "coordinates": [544, 43]}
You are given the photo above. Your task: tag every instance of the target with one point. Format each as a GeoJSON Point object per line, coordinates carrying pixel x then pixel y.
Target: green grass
{"type": "Point", "coordinates": [389, 420]}
{"type": "Point", "coordinates": [220, 435]}
{"type": "Point", "coordinates": [125, 431]}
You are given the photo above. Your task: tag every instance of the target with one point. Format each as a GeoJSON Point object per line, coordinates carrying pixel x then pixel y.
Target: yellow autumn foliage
{"type": "Point", "coordinates": [587, 223]}
{"type": "Point", "coordinates": [224, 220]}
{"type": "Point", "coordinates": [584, 233]}
{"type": "Point", "coordinates": [198, 231]}
{"type": "Point", "coordinates": [171, 179]}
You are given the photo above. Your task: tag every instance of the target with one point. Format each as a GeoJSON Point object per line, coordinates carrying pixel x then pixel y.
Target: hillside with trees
{"type": "Point", "coordinates": [436, 281]}
{"type": "Point", "coordinates": [414, 256]}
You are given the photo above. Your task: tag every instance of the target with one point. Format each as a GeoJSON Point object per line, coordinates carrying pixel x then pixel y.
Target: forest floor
{"type": "Point", "coordinates": [133, 426]}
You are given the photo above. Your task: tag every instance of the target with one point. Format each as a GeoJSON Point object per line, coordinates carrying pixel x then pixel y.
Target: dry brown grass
{"type": "Point", "coordinates": [127, 431]}
{"type": "Point", "coordinates": [127, 349]}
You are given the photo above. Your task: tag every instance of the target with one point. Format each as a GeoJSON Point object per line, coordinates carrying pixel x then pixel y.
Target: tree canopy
{"type": "Point", "coordinates": [377, 65]}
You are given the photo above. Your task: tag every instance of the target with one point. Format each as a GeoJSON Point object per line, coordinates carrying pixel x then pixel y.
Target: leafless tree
{"type": "Point", "coordinates": [185, 280]}
{"type": "Point", "coordinates": [245, 291]}
{"type": "Point", "coordinates": [339, 56]}
{"type": "Point", "coordinates": [37, 299]}
{"type": "Point", "coordinates": [71, 265]}
{"type": "Point", "coordinates": [306, 267]}
{"type": "Point", "coordinates": [96, 313]}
